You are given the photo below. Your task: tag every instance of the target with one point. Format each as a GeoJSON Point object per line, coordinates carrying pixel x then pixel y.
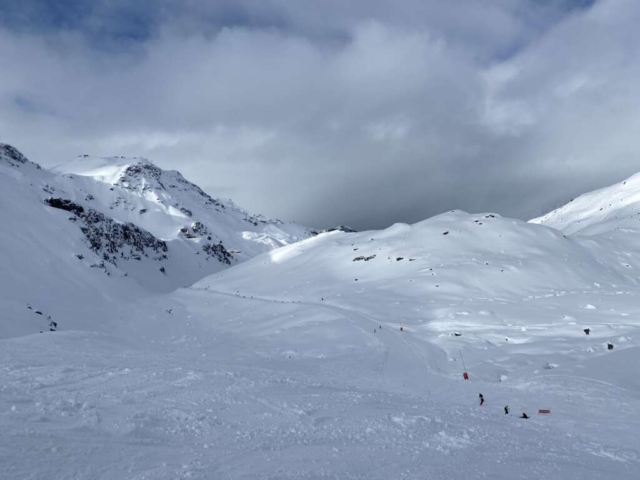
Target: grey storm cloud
{"type": "Point", "coordinates": [363, 113]}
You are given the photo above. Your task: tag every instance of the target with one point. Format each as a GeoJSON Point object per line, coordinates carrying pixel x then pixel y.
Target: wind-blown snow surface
{"type": "Point", "coordinates": [293, 364]}
{"type": "Point", "coordinates": [611, 208]}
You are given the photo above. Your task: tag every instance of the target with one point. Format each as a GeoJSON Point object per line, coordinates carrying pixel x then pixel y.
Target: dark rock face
{"type": "Point", "coordinates": [184, 231]}
{"type": "Point", "coordinates": [362, 257]}
{"type": "Point", "coordinates": [66, 205]}
{"type": "Point", "coordinates": [13, 156]}
{"type": "Point", "coordinates": [186, 185]}
{"type": "Point", "coordinates": [340, 228]}
{"type": "Point", "coordinates": [112, 240]}
{"type": "Point", "coordinates": [116, 240]}
{"type": "Point", "coordinates": [218, 251]}
{"type": "Point", "coordinates": [132, 176]}
{"type": "Point", "coordinates": [186, 211]}
{"type": "Point", "coordinates": [198, 229]}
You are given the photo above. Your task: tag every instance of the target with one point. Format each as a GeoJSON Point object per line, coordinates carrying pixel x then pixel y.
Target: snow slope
{"type": "Point", "coordinates": [482, 276]}
{"type": "Point", "coordinates": [608, 209]}
{"type": "Point", "coordinates": [76, 247]}
{"type": "Point", "coordinates": [338, 357]}
{"type": "Point", "coordinates": [171, 207]}
{"type": "Point", "coordinates": [208, 385]}
{"type": "Point", "coordinates": [42, 275]}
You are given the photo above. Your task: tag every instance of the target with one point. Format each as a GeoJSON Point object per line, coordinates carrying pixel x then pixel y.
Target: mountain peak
{"type": "Point", "coordinates": [13, 156]}
{"type": "Point", "coordinates": [108, 169]}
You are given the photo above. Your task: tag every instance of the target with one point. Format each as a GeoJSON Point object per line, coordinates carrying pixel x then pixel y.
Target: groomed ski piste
{"type": "Point", "coordinates": [338, 357]}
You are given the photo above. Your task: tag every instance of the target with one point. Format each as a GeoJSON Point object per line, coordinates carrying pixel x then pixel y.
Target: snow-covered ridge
{"type": "Point", "coordinates": [141, 176]}
{"type": "Point", "coordinates": [452, 255]}
{"type": "Point", "coordinates": [604, 210]}
{"type": "Point", "coordinates": [100, 227]}
{"type": "Point", "coordinates": [163, 202]}
{"type": "Point", "coordinates": [13, 157]}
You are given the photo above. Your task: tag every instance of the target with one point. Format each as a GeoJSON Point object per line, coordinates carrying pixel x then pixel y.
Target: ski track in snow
{"type": "Point", "coordinates": [196, 401]}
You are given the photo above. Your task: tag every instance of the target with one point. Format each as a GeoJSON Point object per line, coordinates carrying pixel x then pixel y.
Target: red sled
{"type": "Point", "coordinates": [465, 375]}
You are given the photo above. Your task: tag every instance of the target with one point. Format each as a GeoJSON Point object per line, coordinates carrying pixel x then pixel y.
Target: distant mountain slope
{"type": "Point", "coordinates": [608, 209]}
{"type": "Point", "coordinates": [506, 292]}
{"type": "Point", "coordinates": [75, 247]}
{"type": "Point", "coordinates": [47, 269]}
{"type": "Point", "coordinates": [455, 255]}
{"type": "Point", "coordinates": [170, 207]}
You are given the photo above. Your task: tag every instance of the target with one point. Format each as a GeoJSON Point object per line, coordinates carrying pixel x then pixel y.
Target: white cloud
{"type": "Point", "coordinates": [362, 114]}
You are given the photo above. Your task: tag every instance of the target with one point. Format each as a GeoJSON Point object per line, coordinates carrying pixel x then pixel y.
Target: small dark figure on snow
{"type": "Point", "coordinates": [587, 331]}
{"type": "Point", "coordinates": [481, 399]}
{"type": "Point", "coordinates": [609, 346]}
{"type": "Point", "coordinates": [506, 410]}
{"type": "Point", "coordinates": [524, 415]}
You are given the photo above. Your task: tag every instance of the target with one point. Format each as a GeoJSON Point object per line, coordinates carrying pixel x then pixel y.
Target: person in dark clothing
{"type": "Point", "coordinates": [481, 399]}
{"type": "Point", "coordinates": [524, 415]}
{"type": "Point", "coordinates": [506, 409]}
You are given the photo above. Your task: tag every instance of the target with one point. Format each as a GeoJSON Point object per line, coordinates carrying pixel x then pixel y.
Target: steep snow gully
{"type": "Point", "coordinates": [334, 355]}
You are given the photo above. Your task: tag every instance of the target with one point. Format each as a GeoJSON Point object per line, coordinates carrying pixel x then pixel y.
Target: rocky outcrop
{"type": "Point", "coordinates": [340, 228]}
{"type": "Point", "coordinates": [13, 157]}
{"type": "Point", "coordinates": [218, 251]}
{"type": "Point", "coordinates": [111, 240]}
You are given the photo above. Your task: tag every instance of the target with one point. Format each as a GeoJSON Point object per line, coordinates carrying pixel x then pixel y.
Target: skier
{"type": "Point", "coordinates": [481, 399]}
{"type": "Point", "coordinates": [506, 409]}
{"type": "Point", "coordinates": [524, 415]}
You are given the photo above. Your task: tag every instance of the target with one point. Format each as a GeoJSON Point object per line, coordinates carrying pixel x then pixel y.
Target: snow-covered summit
{"type": "Point", "coordinates": [169, 206]}
{"type": "Point", "coordinates": [103, 228]}
{"type": "Point", "coordinates": [607, 209]}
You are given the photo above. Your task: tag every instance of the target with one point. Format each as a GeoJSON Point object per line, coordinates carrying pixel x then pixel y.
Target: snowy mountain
{"type": "Point", "coordinates": [170, 207]}
{"type": "Point", "coordinates": [448, 274]}
{"type": "Point", "coordinates": [338, 356]}
{"type": "Point", "coordinates": [605, 210]}
{"type": "Point", "coordinates": [110, 230]}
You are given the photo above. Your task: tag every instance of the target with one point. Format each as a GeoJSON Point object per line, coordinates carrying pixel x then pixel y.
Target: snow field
{"type": "Point", "coordinates": [211, 390]}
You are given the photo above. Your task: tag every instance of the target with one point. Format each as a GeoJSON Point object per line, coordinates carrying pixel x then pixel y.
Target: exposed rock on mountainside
{"type": "Point", "coordinates": [111, 240]}
{"type": "Point", "coordinates": [146, 228]}
{"type": "Point", "coordinates": [13, 157]}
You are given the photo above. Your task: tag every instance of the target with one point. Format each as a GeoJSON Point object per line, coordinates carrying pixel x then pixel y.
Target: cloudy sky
{"type": "Point", "coordinates": [326, 112]}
